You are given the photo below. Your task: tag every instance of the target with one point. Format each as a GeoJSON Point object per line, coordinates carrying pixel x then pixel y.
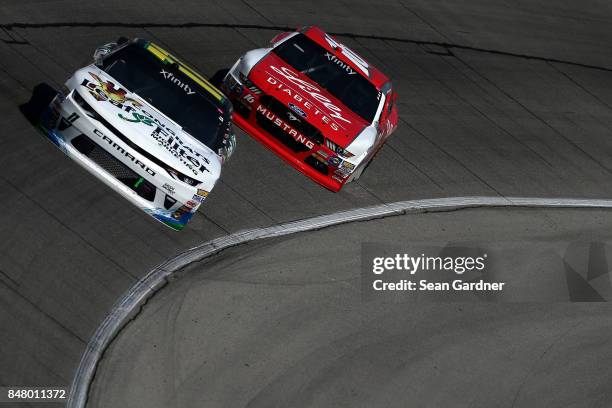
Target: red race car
{"type": "Point", "coordinates": [315, 103]}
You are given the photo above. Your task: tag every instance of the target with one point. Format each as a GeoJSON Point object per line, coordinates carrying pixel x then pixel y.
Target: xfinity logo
{"type": "Point", "coordinates": [170, 76]}
{"type": "Point", "coordinates": [341, 64]}
{"type": "Point", "coordinates": [355, 59]}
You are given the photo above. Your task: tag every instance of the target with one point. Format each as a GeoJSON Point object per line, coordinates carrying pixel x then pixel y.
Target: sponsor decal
{"type": "Point", "coordinates": [254, 89]}
{"type": "Point", "coordinates": [125, 153]}
{"type": "Point", "coordinates": [191, 204]}
{"type": "Point", "coordinates": [283, 125]}
{"type": "Point", "coordinates": [348, 165]}
{"type": "Point", "coordinates": [178, 214]}
{"type": "Point", "coordinates": [345, 169]}
{"type": "Point", "coordinates": [319, 158]}
{"type": "Point", "coordinates": [198, 198]}
{"type": "Point", "coordinates": [331, 57]}
{"type": "Point", "coordinates": [168, 188]}
{"type": "Point", "coordinates": [138, 118]}
{"type": "Point", "coordinates": [175, 145]}
{"type": "Point", "coordinates": [297, 109]}
{"type": "Point", "coordinates": [167, 138]}
{"type": "Point", "coordinates": [134, 112]}
{"type": "Point", "coordinates": [350, 54]}
{"type": "Point", "coordinates": [308, 105]}
{"type": "Point", "coordinates": [337, 149]}
{"type": "Point", "coordinates": [313, 91]}
{"type": "Point", "coordinates": [388, 128]}
{"type": "Point", "coordinates": [138, 182]}
{"type": "Point", "coordinates": [184, 86]}
{"type": "Point", "coordinates": [334, 161]}
{"type": "Point", "coordinates": [107, 91]}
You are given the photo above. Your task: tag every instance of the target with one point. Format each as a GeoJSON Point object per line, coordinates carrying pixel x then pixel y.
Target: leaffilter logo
{"type": "Point", "coordinates": [138, 118]}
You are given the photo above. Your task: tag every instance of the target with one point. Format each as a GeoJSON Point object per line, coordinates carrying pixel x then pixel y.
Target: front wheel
{"type": "Point", "coordinates": [359, 171]}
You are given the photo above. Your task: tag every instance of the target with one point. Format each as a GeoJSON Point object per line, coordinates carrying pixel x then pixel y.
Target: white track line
{"type": "Point", "coordinates": [131, 301]}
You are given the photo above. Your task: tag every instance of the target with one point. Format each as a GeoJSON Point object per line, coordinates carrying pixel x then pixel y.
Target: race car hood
{"type": "Point", "coordinates": [307, 99]}
{"type": "Point", "coordinates": [145, 126]}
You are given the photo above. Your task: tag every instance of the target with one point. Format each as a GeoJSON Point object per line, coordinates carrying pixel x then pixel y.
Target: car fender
{"type": "Point", "coordinates": [250, 59]}
{"type": "Point", "coordinates": [363, 142]}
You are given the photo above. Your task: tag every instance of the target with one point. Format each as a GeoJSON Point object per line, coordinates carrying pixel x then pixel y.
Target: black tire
{"type": "Point", "coordinates": [217, 78]}
{"type": "Point", "coordinates": [365, 166]}
{"type": "Point", "coordinates": [359, 172]}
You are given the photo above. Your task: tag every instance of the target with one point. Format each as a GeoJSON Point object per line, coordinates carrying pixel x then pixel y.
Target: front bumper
{"type": "Point", "coordinates": [149, 192]}
{"type": "Point", "coordinates": [278, 148]}
{"type": "Point", "coordinates": [313, 162]}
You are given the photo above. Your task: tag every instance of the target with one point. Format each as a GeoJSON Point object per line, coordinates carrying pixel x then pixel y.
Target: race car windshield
{"type": "Point", "coordinates": [318, 64]}
{"type": "Point", "coordinates": [170, 91]}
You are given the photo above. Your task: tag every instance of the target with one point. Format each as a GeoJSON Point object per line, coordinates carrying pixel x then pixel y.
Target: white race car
{"type": "Point", "coordinates": [147, 125]}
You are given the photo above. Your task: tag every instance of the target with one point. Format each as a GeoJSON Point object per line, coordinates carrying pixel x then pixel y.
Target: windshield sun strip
{"type": "Point", "coordinates": [165, 56]}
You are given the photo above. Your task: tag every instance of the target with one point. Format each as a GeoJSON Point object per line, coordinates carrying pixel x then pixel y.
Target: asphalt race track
{"type": "Point", "coordinates": [496, 99]}
{"type": "Point", "coordinates": [269, 325]}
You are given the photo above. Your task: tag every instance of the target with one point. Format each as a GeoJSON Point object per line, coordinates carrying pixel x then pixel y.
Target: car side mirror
{"type": "Point", "coordinates": [279, 38]}
{"type": "Point", "coordinates": [101, 52]}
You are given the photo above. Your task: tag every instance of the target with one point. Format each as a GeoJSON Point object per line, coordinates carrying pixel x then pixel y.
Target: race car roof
{"type": "Point", "coordinates": [375, 76]}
